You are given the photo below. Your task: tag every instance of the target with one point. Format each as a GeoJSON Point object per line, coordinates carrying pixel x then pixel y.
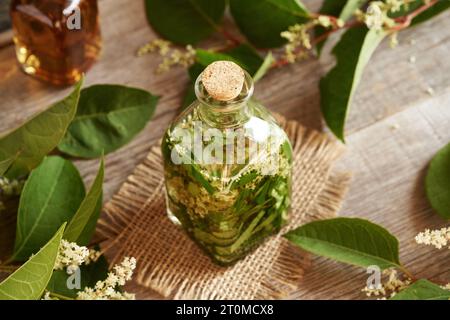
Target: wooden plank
{"type": "Point", "coordinates": [388, 188]}
{"type": "Point", "coordinates": [388, 165]}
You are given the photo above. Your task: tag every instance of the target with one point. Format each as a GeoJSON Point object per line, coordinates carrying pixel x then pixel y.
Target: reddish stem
{"type": "Point", "coordinates": [406, 20]}
{"type": "Point", "coordinates": [315, 41]}
{"type": "Point", "coordinates": [228, 36]}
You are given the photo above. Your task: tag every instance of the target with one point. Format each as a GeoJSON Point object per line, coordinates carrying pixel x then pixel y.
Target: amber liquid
{"type": "Point", "coordinates": [48, 46]}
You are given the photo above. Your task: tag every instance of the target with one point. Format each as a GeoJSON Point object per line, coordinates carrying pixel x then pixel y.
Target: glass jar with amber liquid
{"type": "Point", "coordinates": [56, 40]}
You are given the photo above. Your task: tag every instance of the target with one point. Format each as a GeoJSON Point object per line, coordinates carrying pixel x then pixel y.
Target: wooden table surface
{"type": "Point", "coordinates": [394, 128]}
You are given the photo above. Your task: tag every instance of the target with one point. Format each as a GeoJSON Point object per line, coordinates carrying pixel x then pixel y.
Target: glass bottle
{"type": "Point", "coordinates": [56, 40]}
{"type": "Point", "coordinates": [227, 172]}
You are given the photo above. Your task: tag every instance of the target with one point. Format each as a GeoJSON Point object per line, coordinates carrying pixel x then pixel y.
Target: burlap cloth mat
{"type": "Point", "coordinates": [135, 224]}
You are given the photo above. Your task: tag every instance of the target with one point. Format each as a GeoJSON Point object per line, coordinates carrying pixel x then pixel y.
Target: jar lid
{"type": "Point", "coordinates": [223, 80]}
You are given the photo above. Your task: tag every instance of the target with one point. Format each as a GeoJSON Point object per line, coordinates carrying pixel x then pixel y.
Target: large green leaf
{"type": "Point", "coordinates": [262, 21]}
{"type": "Point", "coordinates": [32, 141]}
{"type": "Point", "coordinates": [108, 117]}
{"type": "Point", "coordinates": [31, 279]}
{"type": "Point", "coordinates": [87, 214]}
{"type": "Point", "coordinates": [343, 9]}
{"type": "Point", "coordinates": [437, 182]}
{"type": "Point", "coordinates": [422, 290]}
{"type": "Point", "coordinates": [90, 274]}
{"type": "Point", "coordinates": [185, 21]}
{"type": "Point", "coordinates": [350, 240]}
{"type": "Point", "coordinates": [50, 197]}
{"type": "Point", "coordinates": [337, 88]}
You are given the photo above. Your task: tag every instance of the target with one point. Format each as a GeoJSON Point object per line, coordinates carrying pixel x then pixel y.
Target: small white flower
{"type": "Point", "coordinates": [390, 287]}
{"type": "Point", "coordinates": [9, 187]}
{"type": "Point", "coordinates": [374, 17]}
{"type": "Point", "coordinates": [393, 40]}
{"type": "Point", "coordinates": [395, 126]}
{"type": "Point", "coordinates": [340, 23]}
{"type": "Point", "coordinates": [436, 238]}
{"type": "Point", "coordinates": [324, 21]}
{"type": "Point", "coordinates": [47, 296]}
{"type": "Point", "coordinates": [395, 5]}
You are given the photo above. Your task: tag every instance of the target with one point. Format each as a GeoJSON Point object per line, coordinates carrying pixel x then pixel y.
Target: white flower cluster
{"type": "Point", "coordinates": [172, 57]}
{"type": "Point", "coordinates": [376, 16]}
{"type": "Point", "coordinates": [107, 289]}
{"type": "Point", "coordinates": [436, 238]}
{"type": "Point", "coordinates": [391, 287]}
{"type": "Point", "coordinates": [71, 256]}
{"type": "Point", "coordinates": [297, 37]}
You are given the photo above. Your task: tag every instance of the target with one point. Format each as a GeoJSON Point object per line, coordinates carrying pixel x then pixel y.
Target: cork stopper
{"type": "Point", "coordinates": [223, 80]}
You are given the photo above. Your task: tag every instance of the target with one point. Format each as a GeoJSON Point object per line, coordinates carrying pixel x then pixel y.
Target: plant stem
{"type": "Point", "coordinates": [317, 40]}
{"type": "Point", "coordinates": [405, 21]}
{"type": "Point", "coordinates": [8, 269]}
{"type": "Point", "coordinates": [407, 272]}
{"type": "Point", "coordinates": [60, 296]}
{"type": "Point", "coordinates": [228, 36]}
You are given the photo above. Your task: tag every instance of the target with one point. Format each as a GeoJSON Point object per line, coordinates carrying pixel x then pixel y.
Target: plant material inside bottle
{"type": "Point", "coordinates": [56, 40]}
{"type": "Point", "coordinates": [228, 202]}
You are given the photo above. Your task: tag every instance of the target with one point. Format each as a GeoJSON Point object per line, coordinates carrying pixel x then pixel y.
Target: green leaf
{"type": "Point", "coordinates": [422, 290]}
{"type": "Point", "coordinates": [350, 240]}
{"type": "Point", "coordinates": [262, 21]}
{"type": "Point", "coordinates": [350, 7]}
{"type": "Point", "coordinates": [32, 141]}
{"type": "Point", "coordinates": [265, 66]}
{"type": "Point", "coordinates": [87, 214]}
{"type": "Point", "coordinates": [185, 21]}
{"type": "Point", "coordinates": [6, 164]}
{"type": "Point", "coordinates": [31, 279]}
{"type": "Point", "coordinates": [51, 196]}
{"type": "Point", "coordinates": [108, 117]}
{"type": "Point", "coordinates": [438, 8]}
{"type": "Point", "coordinates": [437, 182]}
{"type": "Point", "coordinates": [343, 9]}
{"type": "Point", "coordinates": [90, 274]}
{"type": "Point", "coordinates": [338, 87]}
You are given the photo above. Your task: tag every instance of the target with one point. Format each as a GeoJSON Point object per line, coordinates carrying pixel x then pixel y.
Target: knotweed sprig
{"type": "Point", "coordinates": [171, 56]}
